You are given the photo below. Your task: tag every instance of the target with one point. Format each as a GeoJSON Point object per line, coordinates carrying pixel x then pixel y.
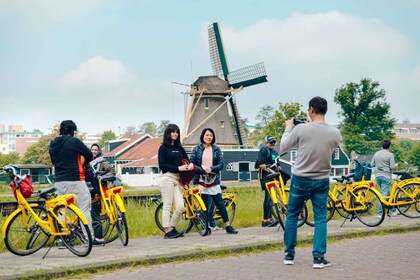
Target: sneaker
{"type": "Point", "coordinates": [379, 216]}
{"type": "Point", "coordinates": [321, 262]}
{"type": "Point", "coordinates": [231, 230]}
{"type": "Point", "coordinates": [270, 223]}
{"type": "Point", "coordinates": [289, 259]}
{"type": "Point", "coordinates": [395, 213]}
{"type": "Point", "coordinates": [215, 228]}
{"type": "Point", "coordinates": [60, 244]}
{"type": "Point", "coordinates": [98, 241]}
{"type": "Point", "coordinates": [171, 234]}
{"type": "Point", "coordinates": [179, 233]}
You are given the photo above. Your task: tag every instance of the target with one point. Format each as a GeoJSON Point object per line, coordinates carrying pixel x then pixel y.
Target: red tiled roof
{"type": "Point", "coordinates": [148, 149]}
{"type": "Point", "coordinates": [133, 139]}
{"type": "Point", "coordinates": [143, 162]}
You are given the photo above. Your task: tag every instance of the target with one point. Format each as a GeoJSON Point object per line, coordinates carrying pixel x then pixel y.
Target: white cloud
{"type": "Point", "coordinates": [98, 73]}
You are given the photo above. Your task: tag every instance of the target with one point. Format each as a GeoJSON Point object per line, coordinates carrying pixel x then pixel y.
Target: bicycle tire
{"type": "Point", "coordinates": [121, 223]}
{"type": "Point", "coordinates": [303, 214]}
{"type": "Point", "coordinates": [183, 226]}
{"type": "Point", "coordinates": [79, 241]}
{"type": "Point", "coordinates": [330, 212]}
{"type": "Point", "coordinates": [411, 210]}
{"type": "Point", "coordinates": [278, 213]}
{"type": "Point", "coordinates": [101, 223]}
{"type": "Point", "coordinates": [23, 241]}
{"type": "Point", "coordinates": [230, 206]}
{"type": "Point", "coordinates": [199, 219]}
{"type": "Point", "coordinates": [365, 202]}
{"type": "Point", "coordinates": [340, 204]}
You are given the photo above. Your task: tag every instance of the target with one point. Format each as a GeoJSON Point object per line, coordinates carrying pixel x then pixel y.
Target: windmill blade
{"type": "Point", "coordinates": [248, 76]}
{"type": "Point", "coordinates": [217, 52]}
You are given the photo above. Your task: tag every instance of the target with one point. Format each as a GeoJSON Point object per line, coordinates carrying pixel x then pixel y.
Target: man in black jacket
{"type": "Point", "coordinates": [70, 156]}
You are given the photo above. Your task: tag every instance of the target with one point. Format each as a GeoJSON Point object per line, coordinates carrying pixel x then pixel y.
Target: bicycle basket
{"type": "Point", "coordinates": [25, 186]}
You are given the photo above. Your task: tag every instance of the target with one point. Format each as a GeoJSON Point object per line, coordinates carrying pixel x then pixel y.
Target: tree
{"type": "Point", "coordinates": [39, 152]}
{"type": "Point", "coordinates": [366, 116]}
{"type": "Point", "coordinates": [161, 128]}
{"type": "Point", "coordinates": [106, 136]}
{"type": "Point", "coordinates": [414, 155]}
{"type": "Point", "coordinates": [264, 116]}
{"type": "Point", "coordinates": [284, 112]}
{"type": "Point", "coordinates": [149, 128]}
{"type": "Point", "coordinates": [10, 158]}
{"type": "Point", "coordinates": [130, 130]}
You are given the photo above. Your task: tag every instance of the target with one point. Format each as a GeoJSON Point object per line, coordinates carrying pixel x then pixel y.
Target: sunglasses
{"type": "Point", "coordinates": [272, 142]}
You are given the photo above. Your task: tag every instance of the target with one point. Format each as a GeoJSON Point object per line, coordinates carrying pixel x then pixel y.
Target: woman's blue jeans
{"type": "Point", "coordinates": [317, 191]}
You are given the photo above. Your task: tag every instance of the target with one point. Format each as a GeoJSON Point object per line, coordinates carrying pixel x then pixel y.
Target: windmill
{"type": "Point", "coordinates": [211, 96]}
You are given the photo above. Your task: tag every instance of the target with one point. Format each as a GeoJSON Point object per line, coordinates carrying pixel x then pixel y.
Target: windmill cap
{"type": "Point", "coordinates": [269, 139]}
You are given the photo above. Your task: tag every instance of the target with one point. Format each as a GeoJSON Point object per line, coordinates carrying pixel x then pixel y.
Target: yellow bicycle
{"type": "Point", "coordinates": [30, 226]}
{"type": "Point", "coordinates": [110, 223]}
{"type": "Point", "coordinates": [194, 215]}
{"type": "Point", "coordinates": [230, 205]}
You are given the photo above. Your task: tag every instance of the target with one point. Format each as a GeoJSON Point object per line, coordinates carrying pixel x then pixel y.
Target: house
{"type": "Point", "coordinates": [116, 148]}
{"type": "Point", "coordinates": [40, 173]}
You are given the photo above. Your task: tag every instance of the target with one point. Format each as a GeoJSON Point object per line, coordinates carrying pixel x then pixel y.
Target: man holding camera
{"type": "Point", "coordinates": [316, 141]}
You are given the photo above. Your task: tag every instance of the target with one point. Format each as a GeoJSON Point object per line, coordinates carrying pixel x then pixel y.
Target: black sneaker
{"type": "Point", "coordinates": [289, 259]}
{"type": "Point", "coordinates": [179, 233]}
{"type": "Point", "coordinates": [231, 230]}
{"type": "Point", "coordinates": [171, 234]}
{"type": "Point", "coordinates": [270, 223]}
{"type": "Point", "coordinates": [321, 262]}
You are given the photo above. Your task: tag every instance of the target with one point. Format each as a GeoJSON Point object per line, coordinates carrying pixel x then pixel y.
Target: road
{"type": "Point", "coordinates": [393, 256]}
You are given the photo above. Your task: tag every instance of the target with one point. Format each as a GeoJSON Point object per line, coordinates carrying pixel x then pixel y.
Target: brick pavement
{"type": "Point", "coordinates": [152, 248]}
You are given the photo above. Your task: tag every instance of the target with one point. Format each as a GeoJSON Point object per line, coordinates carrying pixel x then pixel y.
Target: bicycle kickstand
{"type": "Point", "coordinates": [347, 218]}
{"type": "Point", "coordinates": [49, 248]}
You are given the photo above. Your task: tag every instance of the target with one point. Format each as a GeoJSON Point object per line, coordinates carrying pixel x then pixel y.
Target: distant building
{"type": "Point", "coordinates": [16, 139]}
{"type": "Point", "coordinates": [89, 140]}
{"type": "Point", "coordinates": [409, 131]}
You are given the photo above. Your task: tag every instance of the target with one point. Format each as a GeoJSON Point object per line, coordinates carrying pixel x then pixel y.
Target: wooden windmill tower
{"type": "Point", "coordinates": [211, 97]}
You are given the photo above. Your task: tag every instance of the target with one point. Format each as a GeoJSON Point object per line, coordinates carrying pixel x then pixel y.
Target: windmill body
{"type": "Point", "coordinates": [212, 97]}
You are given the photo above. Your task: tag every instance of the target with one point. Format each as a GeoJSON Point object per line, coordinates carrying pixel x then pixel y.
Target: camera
{"type": "Point", "coordinates": [297, 121]}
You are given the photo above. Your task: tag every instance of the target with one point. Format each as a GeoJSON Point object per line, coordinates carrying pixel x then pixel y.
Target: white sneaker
{"type": "Point", "coordinates": [215, 228]}
{"type": "Point", "coordinates": [379, 216]}
{"type": "Point", "coordinates": [395, 213]}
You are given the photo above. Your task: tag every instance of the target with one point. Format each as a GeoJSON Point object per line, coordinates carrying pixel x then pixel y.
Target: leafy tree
{"type": "Point", "coordinates": [366, 116]}
{"type": "Point", "coordinates": [106, 136]}
{"type": "Point", "coordinates": [414, 155]}
{"type": "Point", "coordinates": [130, 130]}
{"type": "Point", "coordinates": [264, 116]}
{"type": "Point", "coordinates": [10, 158]}
{"type": "Point", "coordinates": [161, 128]}
{"type": "Point", "coordinates": [149, 128]}
{"type": "Point", "coordinates": [39, 152]}
{"type": "Point", "coordinates": [284, 112]}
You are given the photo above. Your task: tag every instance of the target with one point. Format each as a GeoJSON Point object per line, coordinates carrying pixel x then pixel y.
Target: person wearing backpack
{"type": "Point", "coordinates": [266, 157]}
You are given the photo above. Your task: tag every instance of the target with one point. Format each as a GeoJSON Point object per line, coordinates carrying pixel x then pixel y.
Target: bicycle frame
{"type": "Point", "coordinates": [48, 226]}
{"type": "Point", "coordinates": [108, 197]}
{"type": "Point", "coordinates": [188, 194]}
{"type": "Point", "coordinates": [348, 190]}
{"type": "Point", "coordinates": [273, 187]}
{"type": "Point", "coordinates": [398, 186]}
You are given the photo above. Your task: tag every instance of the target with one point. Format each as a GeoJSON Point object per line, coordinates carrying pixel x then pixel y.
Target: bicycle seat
{"type": "Point", "coordinates": [223, 187]}
{"type": "Point", "coordinates": [273, 176]}
{"type": "Point", "coordinates": [108, 179]}
{"type": "Point", "coordinates": [340, 180]}
{"type": "Point", "coordinates": [44, 192]}
{"type": "Point", "coordinates": [349, 176]}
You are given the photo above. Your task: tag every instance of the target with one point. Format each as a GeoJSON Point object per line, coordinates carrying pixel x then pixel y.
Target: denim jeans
{"type": "Point", "coordinates": [218, 201]}
{"type": "Point", "coordinates": [384, 187]}
{"type": "Point", "coordinates": [317, 190]}
{"type": "Point", "coordinates": [210, 213]}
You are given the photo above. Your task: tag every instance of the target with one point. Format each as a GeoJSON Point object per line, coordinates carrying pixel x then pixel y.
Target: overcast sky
{"type": "Point", "coordinates": [109, 64]}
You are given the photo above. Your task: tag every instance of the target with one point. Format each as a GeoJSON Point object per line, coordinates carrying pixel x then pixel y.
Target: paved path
{"type": "Point", "coordinates": [150, 249]}
{"type": "Point", "coordinates": [373, 257]}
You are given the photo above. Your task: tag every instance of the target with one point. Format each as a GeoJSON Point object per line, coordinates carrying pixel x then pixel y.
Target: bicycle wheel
{"type": "Point", "coordinates": [279, 213]}
{"type": "Point", "coordinates": [310, 221]}
{"type": "Point", "coordinates": [24, 236]}
{"type": "Point", "coordinates": [79, 241]}
{"type": "Point", "coordinates": [101, 224]}
{"type": "Point", "coordinates": [411, 209]}
{"type": "Point", "coordinates": [122, 226]}
{"type": "Point", "coordinates": [230, 206]}
{"type": "Point", "coordinates": [364, 202]}
{"type": "Point", "coordinates": [340, 204]}
{"type": "Point", "coordinates": [184, 225]}
{"type": "Point", "coordinates": [200, 220]}
{"type": "Point", "coordinates": [303, 213]}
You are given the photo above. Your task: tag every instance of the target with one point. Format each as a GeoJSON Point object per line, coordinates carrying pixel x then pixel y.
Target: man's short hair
{"type": "Point", "coordinates": [319, 105]}
{"type": "Point", "coordinates": [67, 127]}
{"type": "Point", "coordinates": [386, 144]}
